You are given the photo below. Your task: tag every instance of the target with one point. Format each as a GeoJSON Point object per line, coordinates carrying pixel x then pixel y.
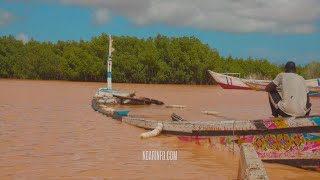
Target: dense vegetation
{"type": "Point", "coordinates": [162, 59]}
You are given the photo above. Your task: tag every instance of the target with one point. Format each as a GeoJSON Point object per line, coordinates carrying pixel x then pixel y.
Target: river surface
{"type": "Point", "coordinates": [48, 130]}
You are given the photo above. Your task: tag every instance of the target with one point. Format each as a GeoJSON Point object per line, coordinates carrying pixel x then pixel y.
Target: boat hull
{"type": "Point", "coordinates": [227, 86]}
{"type": "Point", "coordinates": [105, 92]}
{"type": "Point", "coordinates": [314, 91]}
{"type": "Point", "coordinates": [230, 82]}
{"type": "Point", "coordinates": [296, 149]}
{"type": "Point", "coordinates": [268, 146]}
{"type": "Point", "coordinates": [282, 140]}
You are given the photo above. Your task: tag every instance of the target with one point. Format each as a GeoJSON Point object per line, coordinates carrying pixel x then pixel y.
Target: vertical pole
{"type": "Point", "coordinates": [233, 138]}
{"type": "Point", "coordinates": [109, 74]}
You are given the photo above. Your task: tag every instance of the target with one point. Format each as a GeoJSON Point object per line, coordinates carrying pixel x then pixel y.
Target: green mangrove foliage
{"type": "Point", "coordinates": [162, 59]}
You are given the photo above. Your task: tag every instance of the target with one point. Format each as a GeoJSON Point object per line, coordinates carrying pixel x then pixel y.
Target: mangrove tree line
{"type": "Point", "coordinates": [162, 59]}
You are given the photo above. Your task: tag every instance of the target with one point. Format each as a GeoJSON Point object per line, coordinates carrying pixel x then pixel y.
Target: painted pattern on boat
{"type": "Point", "coordinates": [269, 146]}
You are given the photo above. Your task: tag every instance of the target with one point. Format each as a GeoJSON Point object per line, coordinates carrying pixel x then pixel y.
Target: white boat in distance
{"type": "Point", "coordinates": [231, 82]}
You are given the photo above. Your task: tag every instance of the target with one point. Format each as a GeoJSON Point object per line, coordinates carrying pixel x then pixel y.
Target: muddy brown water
{"type": "Point", "coordinates": [49, 131]}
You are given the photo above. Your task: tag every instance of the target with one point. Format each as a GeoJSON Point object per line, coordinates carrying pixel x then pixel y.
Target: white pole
{"type": "Point", "coordinates": [109, 74]}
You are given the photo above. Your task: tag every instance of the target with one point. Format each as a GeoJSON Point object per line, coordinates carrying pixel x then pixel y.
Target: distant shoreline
{"type": "Point", "coordinates": [158, 60]}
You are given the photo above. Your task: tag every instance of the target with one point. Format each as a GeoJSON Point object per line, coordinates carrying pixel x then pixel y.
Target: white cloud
{"type": "Point", "coordinates": [268, 16]}
{"type": "Point", "coordinates": [5, 18]}
{"type": "Point", "coordinates": [23, 37]}
{"type": "Point", "coordinates": [101, 16]}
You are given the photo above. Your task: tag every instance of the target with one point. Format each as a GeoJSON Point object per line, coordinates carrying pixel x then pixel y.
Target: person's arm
{"type": "Point", "coordinates": [308, 97]}
{"type": "Point", "coordinates": [308, 106]}
{"type": "Point", "coordinates": [308, 101]}
{"type": "Point", "coordinates": [273, 84]}
{"type": "Point", "coordinates": [271, 87]}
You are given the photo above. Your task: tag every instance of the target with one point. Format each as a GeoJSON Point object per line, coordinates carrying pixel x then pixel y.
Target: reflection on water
{"type": "Point", "coordinates": [48, 129]}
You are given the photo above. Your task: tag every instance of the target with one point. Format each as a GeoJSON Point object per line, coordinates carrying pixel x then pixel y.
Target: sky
{"type": "Point", "coordinates": [278, 30]}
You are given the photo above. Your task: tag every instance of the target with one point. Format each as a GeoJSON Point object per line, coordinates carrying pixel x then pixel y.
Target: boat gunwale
{"type": "Point", "coordinates": [204, 129]}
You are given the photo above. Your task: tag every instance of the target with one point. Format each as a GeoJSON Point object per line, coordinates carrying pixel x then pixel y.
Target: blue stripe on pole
{"type": "Point", "coordinates": [109, 75]}
{"type": "Point", "coordinates": [318, 82]}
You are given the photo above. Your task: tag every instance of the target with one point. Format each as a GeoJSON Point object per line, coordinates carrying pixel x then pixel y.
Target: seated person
{"type": "Point", "coordinates": [293, 99]}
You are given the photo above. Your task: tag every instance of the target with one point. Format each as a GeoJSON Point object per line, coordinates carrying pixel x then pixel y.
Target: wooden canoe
{"type": "Point", "coordinates": [291, 141]}
{"type": "Point", "coordinates": [313, 91]}
{"type": "Point", "coordinates": [231, 82]}
{"type": "Point", "coordinates": [138, 100]}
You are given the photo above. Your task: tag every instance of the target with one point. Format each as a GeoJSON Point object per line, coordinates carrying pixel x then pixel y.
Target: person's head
{"type": "Point", "coordinates": [290, 67]}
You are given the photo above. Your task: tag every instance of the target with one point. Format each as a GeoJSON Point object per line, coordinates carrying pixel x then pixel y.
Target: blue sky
{"type": "Point", "coordinates": [278, 30]}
